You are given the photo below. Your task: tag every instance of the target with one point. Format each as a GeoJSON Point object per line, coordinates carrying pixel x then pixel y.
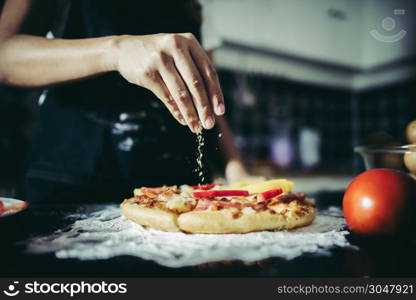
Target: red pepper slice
{"type": "Point", "coordinates": [203, 186]}
{"type": "Point", "coordinates": [220, 193]}
{"type": "Point", "coordinates": [268, 194]}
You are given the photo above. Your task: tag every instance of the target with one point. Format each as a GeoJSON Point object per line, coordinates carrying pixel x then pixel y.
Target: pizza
{"type": "Point", "coordinates": [216, 208]}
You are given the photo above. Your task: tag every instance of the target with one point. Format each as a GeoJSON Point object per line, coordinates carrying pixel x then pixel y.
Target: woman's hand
{"type": "Point", "coordinates": [178, 71]}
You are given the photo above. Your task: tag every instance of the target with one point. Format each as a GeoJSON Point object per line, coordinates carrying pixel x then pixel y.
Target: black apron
{"type": "Point", "coordinates": [104, 130]}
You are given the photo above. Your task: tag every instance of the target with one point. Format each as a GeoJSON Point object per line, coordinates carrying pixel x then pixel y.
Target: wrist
{"type": "Point", "coordinates": [111, 47]}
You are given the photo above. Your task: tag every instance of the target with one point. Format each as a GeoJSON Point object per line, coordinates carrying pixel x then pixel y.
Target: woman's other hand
{"type": "Point", "coordinates": [236, 172]}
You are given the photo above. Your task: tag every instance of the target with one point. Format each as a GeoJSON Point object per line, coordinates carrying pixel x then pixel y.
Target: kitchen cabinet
{"type": "Point", "coordinates": [321, 41]}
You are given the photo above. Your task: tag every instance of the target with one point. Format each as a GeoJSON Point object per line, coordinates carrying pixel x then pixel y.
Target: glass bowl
{"type": "Point", "coordinates": [402, 158]}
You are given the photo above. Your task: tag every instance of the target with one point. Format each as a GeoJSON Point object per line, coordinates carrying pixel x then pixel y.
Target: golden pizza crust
{"type": "Point", "coordinates": [223, 222]}
{"type": "Point", "coordinates": [151, 217]}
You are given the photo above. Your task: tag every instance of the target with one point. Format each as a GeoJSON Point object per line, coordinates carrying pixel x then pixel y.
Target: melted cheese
{"type": "Point", "coordinates": [137, 192]}
{"type": "Point", "coordinates": [178, 204]}
{"type": "Point", "coordinates": [186, 190]}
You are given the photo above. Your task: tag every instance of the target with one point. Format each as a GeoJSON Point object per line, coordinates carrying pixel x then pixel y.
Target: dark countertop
{"type": "Point", "coordinates": [376, 257]}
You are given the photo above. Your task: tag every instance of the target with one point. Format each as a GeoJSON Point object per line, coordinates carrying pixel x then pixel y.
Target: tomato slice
{"type": "Point", "coordinates": [269, 194]}
{"type": "Point", "coordinates": [220, 193]}
{"type": "Point", "coordinates": [2, 209]}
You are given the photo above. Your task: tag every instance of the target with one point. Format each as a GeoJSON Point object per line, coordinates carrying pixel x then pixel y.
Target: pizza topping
{"type": "Point", "coordinates": [248, 210]}
{"type": "Point", "coordinates": [152, 203]}
{"type": "Point", "coordinates": [149, 194]}
{"type": "Point", "coordinates": [186, 190]}
{"type": "Point", "coordinates": [269, 194]}
{"type": "Point", "coordinates": [137, 192]}
{"type": "Point", "coordinates": [220, 193]}
{"type": "Point", "coordinates": [303, 211]}
{"type": "Point", "coordinates": [178, 204]}
{"type": "Point", "coordinates": [203, 186]}
{"type": "Point", "coordinates": [260, 206]}
{"type": "Point", "coordinates": [138, 199]}
{"type": "Point", "coordinates": [203, 204]}
{"type": "Point", "coordinates": [167, 195]}
{"type": "Point", "coordinates": [213, 197]}
{"type": "Point", "coordinates": [292, 205]}
{"type": "Point", "coordinates": [245, 199]}
{"type": "Point", "coordinates": [286, 198]}
{"type": "Point", "coordinates": [222, 204]}
{"type": "Point", "coordinates": [209, 204]}
{"type": "Point", "coordinates": [154, 192]}
{"type": "Point", "coordinates": [260, 187]}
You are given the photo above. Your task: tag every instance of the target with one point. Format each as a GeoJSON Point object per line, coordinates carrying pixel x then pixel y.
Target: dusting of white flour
{"type": "Point", "coordinates": [105, 234]}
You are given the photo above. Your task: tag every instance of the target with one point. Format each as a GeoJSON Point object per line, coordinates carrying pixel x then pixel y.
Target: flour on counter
{"type": "Point", "coordinates": [105, 234]}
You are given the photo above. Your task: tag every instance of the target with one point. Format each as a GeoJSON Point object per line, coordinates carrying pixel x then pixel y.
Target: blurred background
{"type": "Point", "coordinates": [304, 80]}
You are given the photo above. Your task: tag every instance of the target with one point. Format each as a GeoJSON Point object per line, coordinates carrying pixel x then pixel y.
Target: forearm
{"type": "Point", "coordinates": [33, 61]}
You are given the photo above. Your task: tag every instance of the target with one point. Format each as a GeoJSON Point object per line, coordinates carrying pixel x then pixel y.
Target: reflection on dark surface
{"type": "Point", "coordinates": [382, 257]}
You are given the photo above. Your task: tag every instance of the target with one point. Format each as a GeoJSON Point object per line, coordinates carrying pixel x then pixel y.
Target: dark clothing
{"type": "Point", "coordinates": [105, 131]}
{"type": "Point", "coordinates": [50, 191]}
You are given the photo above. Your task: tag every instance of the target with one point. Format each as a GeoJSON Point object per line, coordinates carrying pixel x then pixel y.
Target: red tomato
{"type": "Point", "coordinates": [379, 202]}
{"type": "Point", "coordinates": [1, 208]}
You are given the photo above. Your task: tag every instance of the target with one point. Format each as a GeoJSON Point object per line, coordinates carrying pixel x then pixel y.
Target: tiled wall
{"type": "Point", "coordinates": [300, 127]}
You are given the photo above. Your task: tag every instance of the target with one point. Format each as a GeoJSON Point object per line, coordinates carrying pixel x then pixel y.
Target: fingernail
{"type": "Point", "coordinates": [209, 122]}
{"type": "Point", "coordinates": [220, 109]}
{"type": "Point", "coordinates": [191, 128]}
{"type": "Point", "coordinates": [197, 128]}
{"type": "Point", "coordinates": [182, 120]}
